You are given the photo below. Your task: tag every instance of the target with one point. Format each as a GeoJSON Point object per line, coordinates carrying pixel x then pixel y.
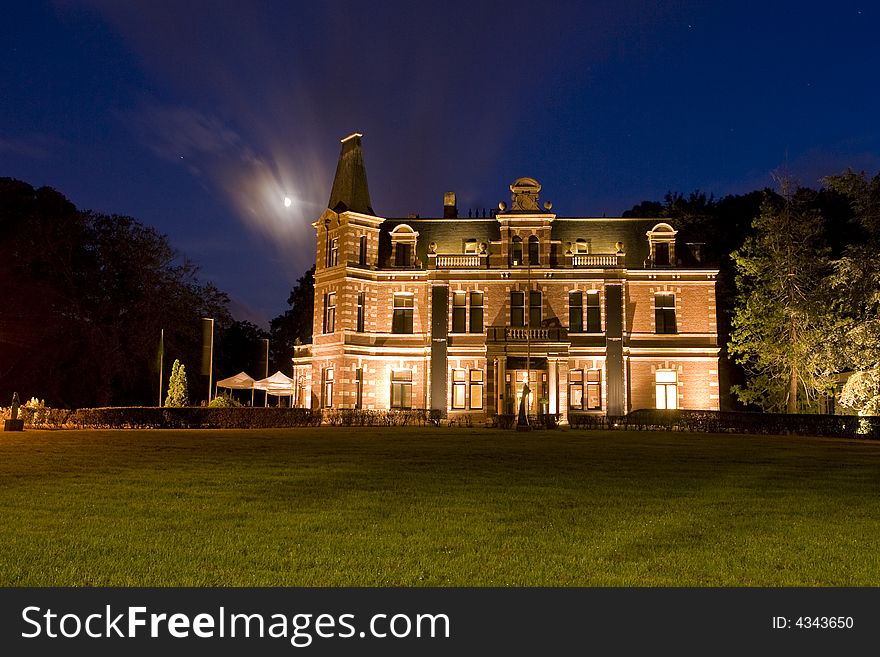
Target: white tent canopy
{"type": "Point", "coordinates": [278, 385]}
{"type": "Point", "coordinates": [240, 381]}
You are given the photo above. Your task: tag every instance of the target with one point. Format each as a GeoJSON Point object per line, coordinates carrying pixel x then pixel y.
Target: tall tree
{"type": "Point", "coordinates": [855, 345]}
{"type": "Point", "coordinates": [86, 296]}
{"type": "Point", "coordinates": [295, 323]}
{"type": "Point", "coordinates": [239, 349]}
{"type": "Point", "coordinates": [782, 313]}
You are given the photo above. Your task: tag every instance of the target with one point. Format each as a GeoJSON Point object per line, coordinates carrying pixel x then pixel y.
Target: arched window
{"type": "Point", "coordinates": [534, 251]}
{"type": "Point", "coordinates": [516, 253]}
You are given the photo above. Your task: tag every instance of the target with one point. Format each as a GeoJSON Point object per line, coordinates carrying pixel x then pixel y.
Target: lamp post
{"type": "Point", "coordinates": [522, 420]}
{"type": "Point", "coordinates": [266, 372]}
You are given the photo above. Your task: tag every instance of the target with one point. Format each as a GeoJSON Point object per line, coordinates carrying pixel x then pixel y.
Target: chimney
{"type": "Point", "coordinates": [450, 211]}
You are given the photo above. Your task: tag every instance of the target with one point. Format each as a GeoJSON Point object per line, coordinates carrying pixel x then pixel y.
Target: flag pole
{"type": "Point", "coordinates": [161, 361]}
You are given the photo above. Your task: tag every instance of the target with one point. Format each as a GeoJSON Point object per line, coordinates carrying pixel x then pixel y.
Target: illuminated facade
{"type": "Point", "coordinates": [599, 315]}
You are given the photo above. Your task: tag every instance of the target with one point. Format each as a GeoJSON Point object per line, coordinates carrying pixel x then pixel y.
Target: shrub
{"type": "Point", "coordinates": [504, 421]}
{"type": "Point", "coordinates": [224, 401]}
{"type": "Point", "coordinates": [178, 395]}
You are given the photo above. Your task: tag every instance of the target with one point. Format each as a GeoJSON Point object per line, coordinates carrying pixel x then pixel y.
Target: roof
{"type": "Point", "coordinates": [350, 190]}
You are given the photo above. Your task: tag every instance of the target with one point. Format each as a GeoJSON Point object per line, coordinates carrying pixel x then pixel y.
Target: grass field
{"type": "Point", "coordinates": [436, 507]}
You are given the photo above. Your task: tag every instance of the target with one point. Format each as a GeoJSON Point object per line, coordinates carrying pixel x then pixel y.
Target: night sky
{"type": "Point", "coordinates": [200, 117]}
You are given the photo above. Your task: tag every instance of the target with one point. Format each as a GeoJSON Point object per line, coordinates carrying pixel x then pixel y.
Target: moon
{"type": "Point", "coordinates": [287, 201]}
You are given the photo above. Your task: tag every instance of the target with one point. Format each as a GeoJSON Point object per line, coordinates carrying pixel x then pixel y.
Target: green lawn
{"type": "Point", "coordinates": [436, 507]}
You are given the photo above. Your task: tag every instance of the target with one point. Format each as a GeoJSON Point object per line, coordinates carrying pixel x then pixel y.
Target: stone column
{"type": "Point", "coordinates": [552, 384]}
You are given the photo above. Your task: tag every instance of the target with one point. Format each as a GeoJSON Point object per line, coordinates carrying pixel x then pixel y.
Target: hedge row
{"type": "Point", "coordinates": [195, 417]}
{"type": "Point", "coordinates": [841, 426]}
{"type": "Point", "coordinates": [540, 421]}
{"type": "Point", "coordinates": [350, 417]}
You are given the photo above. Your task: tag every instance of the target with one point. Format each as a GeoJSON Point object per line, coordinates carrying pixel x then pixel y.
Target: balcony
{"type": "Point", "coordinates": [457, 260]}
{"type": "Point", "coordinates": [525, 334]}
{"type": "Point", "coordinates": [597, 260]}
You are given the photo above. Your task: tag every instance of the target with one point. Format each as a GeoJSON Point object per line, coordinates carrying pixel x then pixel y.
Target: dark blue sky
{"type": "Point", "coordinates": [200, 117]}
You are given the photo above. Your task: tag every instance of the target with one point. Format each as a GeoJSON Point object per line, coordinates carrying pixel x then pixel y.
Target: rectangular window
{"type": "Point", "coordinates": [402, 255]}
{"type": "Point", "coordinates": [476, 312]}
{"type": "Point", "coordinates": [476, 391]}
{"type": "Point", "coordinates": [402, 321]}
{"type": "Point", "coordinates": [516, 252]}
{"type": "Point", "coordinates": [664, 312]}
{"type": "Point", "coordinates": [458, 388]}
{"type": "Point", "coordinates": [327, 389]}
{"type": "Point", "coordinates": [517, 309]}
{"type": "Point", "coordinates": [534, 251]}
{"type": "Point", "coordinates": [332, 252]}
{"type": "Point", "coordinates": [594, 314]}
{"type": "Point", "coordinates": [362, 251]}
{"type": "Point", "coordinates": [594, 390]}
{"type": "Point", "coordinates": [459, 312]}
{"type": "Point", "coordinates": [470, 246]}
{"type": "Point", "coordinates": [575, 312]}
{"type": "Point", "coordinates": [330, 312]}
{"type": "Point", "coordinates": [401, 389]}
{"type": "Point", "coordinates": [361, 300]}
{"type": "Point", "coordinates": [576, 390]}
{"type": "Point", "coordinates": [534, 309]}
{"type": "Point", "coordinates": [666, 384]}
{"type": "Point", "coordinates": [359, 388]}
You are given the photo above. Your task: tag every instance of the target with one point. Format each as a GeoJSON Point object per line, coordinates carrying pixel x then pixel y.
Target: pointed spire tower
{"type": "Point", "coordinates": [350, 191]}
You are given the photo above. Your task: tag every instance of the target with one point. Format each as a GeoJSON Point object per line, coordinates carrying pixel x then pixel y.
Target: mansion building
{"type": "Point", "coordinates": [597, 315]}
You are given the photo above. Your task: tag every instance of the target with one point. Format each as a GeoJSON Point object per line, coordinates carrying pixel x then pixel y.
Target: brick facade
{"type": "Point", "coordinates": [485, 304]}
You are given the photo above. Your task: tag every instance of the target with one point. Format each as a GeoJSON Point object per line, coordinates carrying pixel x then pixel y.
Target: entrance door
{"type": "Point", "coordinates": [538, 390]}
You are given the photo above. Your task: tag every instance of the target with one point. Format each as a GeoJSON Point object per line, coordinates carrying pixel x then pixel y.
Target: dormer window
{"type": "Point", "coordinates": [403, 246]}
{"type": "Point", "coordinates": [470, 246]}
{"type": "Point", "coordinates": [581, 246]}
{"type": "Point", "coordinates": [661, 253]}
{"type": "Point", "coordinates": [661, 244]}
{"type": "Point", "coordinates": [402, 255]}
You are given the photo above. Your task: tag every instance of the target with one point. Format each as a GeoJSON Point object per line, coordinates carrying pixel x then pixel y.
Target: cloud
{"type": "Point", "coordinates": [255, 181]}
{"type": "Point", "coordinates": [35, 147]}
{"type": "Point", "coordinates": [177, 132]}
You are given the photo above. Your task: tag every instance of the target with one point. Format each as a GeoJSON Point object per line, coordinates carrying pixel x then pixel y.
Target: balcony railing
{"type": "Point", "coordinates": [524, 334]}
{"type": "Point", "coordinates": [457, 260]}
{"type": "Point", "coordinates": [481, 261]}
{"type": "Point", "coordinates": [596, 260]}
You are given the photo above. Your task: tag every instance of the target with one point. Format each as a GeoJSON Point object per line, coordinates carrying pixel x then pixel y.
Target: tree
{"type": "Point", "coordinates": [177, 387]}
{"type": "Point", "coordinates": [855, 344]}
{"type": "Point", "coordinates": [295, 323]}
{"type": "Point", "coordinates": [85, 297]}
{"type": "Point", "coordinates": [782, 315]}
{"type": "Point", "coordinates": [239, 348]}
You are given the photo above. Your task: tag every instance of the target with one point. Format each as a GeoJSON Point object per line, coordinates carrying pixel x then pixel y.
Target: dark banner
{"type": "Point", "coordinates": [436, 621]}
